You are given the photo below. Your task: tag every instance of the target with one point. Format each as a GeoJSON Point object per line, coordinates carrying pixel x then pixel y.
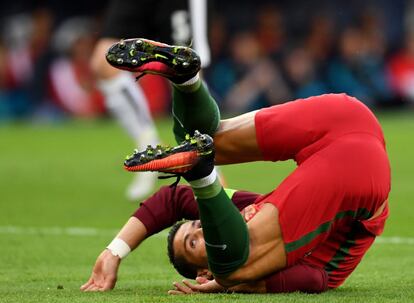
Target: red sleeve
{"type": "Point", "coordinates": [300, 277]}
{"type": "Point", "coordinates": [169, 205]}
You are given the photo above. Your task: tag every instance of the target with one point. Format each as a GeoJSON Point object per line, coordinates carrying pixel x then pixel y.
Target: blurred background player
{"type": "Point", "coordinates": [72, 84]}
{"type": "Point", "coordinates": [181, 22]}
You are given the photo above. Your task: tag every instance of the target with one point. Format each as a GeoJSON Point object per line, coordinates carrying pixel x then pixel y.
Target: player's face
{"type": "Point", "coordinates": [189, 242]}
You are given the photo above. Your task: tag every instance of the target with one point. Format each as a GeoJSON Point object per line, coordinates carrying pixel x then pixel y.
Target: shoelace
{"type": "Point", "coordinates": [174, 184]}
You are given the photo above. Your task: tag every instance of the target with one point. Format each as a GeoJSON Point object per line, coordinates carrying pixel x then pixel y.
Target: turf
{"type": "Point", "coordinates": [55, 178]}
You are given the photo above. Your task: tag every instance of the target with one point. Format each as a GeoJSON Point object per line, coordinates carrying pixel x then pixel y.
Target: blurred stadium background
{"type": "Point", "coordinates": [62, 186]}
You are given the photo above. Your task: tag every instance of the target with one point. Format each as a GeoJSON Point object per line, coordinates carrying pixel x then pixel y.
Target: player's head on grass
{"type": "Point", "coordinates": [186, 249]}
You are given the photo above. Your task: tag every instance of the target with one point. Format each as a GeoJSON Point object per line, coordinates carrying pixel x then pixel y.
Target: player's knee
{"type": "Point", "coordinates": [94, 65]}
{"type": "Point", "coordinates": [100, 68]}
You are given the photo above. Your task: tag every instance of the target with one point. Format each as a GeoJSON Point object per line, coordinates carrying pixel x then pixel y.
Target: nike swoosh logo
{"type": "Point", "coordinates": [222, 246]}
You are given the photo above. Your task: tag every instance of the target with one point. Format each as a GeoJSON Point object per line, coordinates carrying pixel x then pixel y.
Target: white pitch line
{"type": "Point", "coordinates": [59, 231]}
{"type": "Point", "coordinates": [93, 232]}
{"type": "Point", "coordinates": [394, 240]}
{"type": "Point", "coordinates": [56, 231]}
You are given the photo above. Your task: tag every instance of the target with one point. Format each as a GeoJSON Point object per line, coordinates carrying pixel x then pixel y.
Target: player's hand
{"type": "Point", "coordinates": [204, 286]}
{"type": "Point", "coordinates": [104, 273]}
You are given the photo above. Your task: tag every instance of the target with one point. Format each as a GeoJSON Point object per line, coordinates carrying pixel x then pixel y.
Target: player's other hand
{"type": "Point", "coordinates": [104, 273]}
{"type": "Point", "coordinates": [204, 286]}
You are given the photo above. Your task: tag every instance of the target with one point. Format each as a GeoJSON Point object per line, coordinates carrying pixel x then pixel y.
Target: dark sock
{"type": "Point", "coordinates": [194, 109]}
{"type": "Point", "coordinates": [225, 232]}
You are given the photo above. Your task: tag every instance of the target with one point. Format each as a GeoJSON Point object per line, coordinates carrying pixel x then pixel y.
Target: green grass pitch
{"type": "Point", "coordinates": [62, 200]}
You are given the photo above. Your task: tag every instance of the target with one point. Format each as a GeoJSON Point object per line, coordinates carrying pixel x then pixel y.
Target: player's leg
{"type": "Point", "coordinates": [126, 101]}
{"type": "Point", "coordinates": [227, 248]}
{"type": "Point", "coordinates": [195, 109]}
{"type": "Point", "coordinates": [124, 98]}
{"type": "Point", "coordinates": [225, 231]}
{"type": "Point", "coordinates": [275, 133]}
{"type": "Point", "coordinates": [193, 106]}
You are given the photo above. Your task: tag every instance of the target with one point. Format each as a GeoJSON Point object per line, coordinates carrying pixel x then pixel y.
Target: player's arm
{"type": "Point", "coordinates": [300, 277]}
{"type": "Point", "coordinates": [161, 210]}
{"type": "Point", "coordinates": [156, 213]}
{"type": "Point", "coordinates": [169, 205]}
{"type": "Point", "coordinates": [105, 271]}
{"type": "Point", "coordinates": [211, 286]}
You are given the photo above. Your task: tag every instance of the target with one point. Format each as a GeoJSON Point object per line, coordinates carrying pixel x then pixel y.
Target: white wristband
{"type": "Point", "coordinates": [118, 247]}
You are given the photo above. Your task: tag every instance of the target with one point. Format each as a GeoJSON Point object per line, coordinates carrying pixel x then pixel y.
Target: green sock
{"type": "Point", "coordinates": [225, 232]}
{"type": "Point", "coordinates": [194, 109]}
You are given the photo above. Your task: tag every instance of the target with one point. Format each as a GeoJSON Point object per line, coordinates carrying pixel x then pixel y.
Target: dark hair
{"type": "Point", "coordinates": [183, 267]}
